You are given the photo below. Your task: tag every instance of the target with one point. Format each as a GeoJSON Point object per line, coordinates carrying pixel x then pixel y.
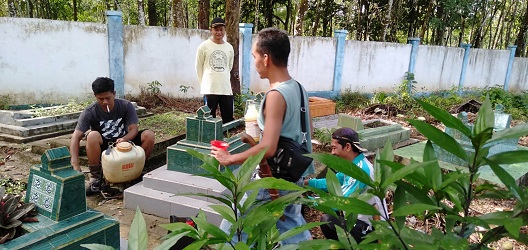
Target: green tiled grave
{"type": "Point", "coordinates": [517, 171]}
{"type": "Point", "coordinates": [374, 138]}
{"type": "Point", "coordinates": [502, 121]}
{"type": "Point", "coordinates": [64, 222]}
{"type": "Point", "coordinates": [201, 130]}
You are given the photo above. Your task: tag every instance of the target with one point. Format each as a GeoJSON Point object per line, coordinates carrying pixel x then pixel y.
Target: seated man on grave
{"type": "Point", "coordinates": [345, 144]}
{"type": "Point", "coordinates": [108, 122]}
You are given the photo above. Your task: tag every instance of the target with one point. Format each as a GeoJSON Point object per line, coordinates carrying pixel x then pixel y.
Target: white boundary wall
{"type": "Point", "coordinates": [53, 61]}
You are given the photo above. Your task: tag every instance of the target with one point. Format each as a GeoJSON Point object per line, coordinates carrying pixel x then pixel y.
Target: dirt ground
{"type": "Point", "coordinates": [17, 160]}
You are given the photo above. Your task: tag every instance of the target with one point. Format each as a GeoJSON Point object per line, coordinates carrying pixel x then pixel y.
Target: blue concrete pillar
{"type": "Point", "coordinates": [340, 36]}
{"type": "Point", "coordinates": [466, 47]}
{"type": "Point", "coordinates": [247, 32]}
{"type": "Point", "coordinates": [512, 49]}
{"type": "Point", "coordinates": [412, 62]}
{"type": "Point", "coordinates": [115, 50]}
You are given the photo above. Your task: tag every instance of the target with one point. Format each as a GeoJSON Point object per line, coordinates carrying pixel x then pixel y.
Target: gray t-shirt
{"type": "Point", "coordinates": [113, 125]}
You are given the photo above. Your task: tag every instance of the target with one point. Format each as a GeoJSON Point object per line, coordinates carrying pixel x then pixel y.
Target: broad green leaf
{"type": "Point", "coordinates": [399, 201]}
{"type": "Point", "coordinates": [507, 180]}
{"type": "Point", "coordinates": [319, 244]}
{"type": "Point", "coordinates": [137, 236]}
{"type": "Point", "coordinates": [480, 159]}
{"type": "Point", "coordinates": [202, 224]}
{"type": "Point", "coordinates": [440, 138]}
{"type": "Point", "coordinates": [344, 166]}
{"type": "Point", "coordinates": [387, 154]}
{"type": "Point", "coordinates": [415, 177]}
{"type": "Point", "coordinates": [332, 184]}
{"type": "Point", "coordinates": [455, 197]}
{"type": "Point", "coordinates": [447, 119]}
{"type": "Point", "coordinates": [225, 211]}
{"type": "Point", "coordinates": [170, 242]}
{"type": "Point", "coordinates": [178, 227]}
{"type": "Point", "coordinates": [485, 117]}
{"type": "Point", "coordinates": [433, 173]}
{"type": "Point", "coordinates": [294, 231]}
{"type": "Point", "coordinates": [401, 173]}
{"type": "Point", "coordinates": [196, 245]}
{"type": "Point", "coordinates": [270, 210]}
{"type": "Point", "coordinates": [241, 246]}
{"type": "Point", "coordinates": [453, 242]}
{"type": "Point", "coordinates": [350, 220]}
{"type": "Point", "coordinates": [348, 204]}
{"type": "Point", "coordinates": [225, 201]}
{"type": "Point", "coordinates": [207, 159]}
{"type": "Point", "coordinates": [453, 177]}
{"type": "Point", "coordinates": [480, 139]}
{"type": "Point", "coordinates": [97, 247]}
{"type": "Point", "coordinates": [417, 239]}
{"type": "Point", "coordinates": [343, 238]}
{"type": "Point", "coordinates": [510, 133]}
{"type": "Point", "coordinates": [414, 209]}
{"type": "Point", "coordinates": [497, 218]}
{"type": "Point", "coordinates": [417, 193]}
{"type": "Point", "coordinates": [514, 226]}
{"type": "Point", "coordinates": [250, 200]}
{"type": "Point", "coordinates": [271, 182]}
{"type": "Point", "coordinates": [511, 157]}
{"type": "Point", "coordinates": [249, 166]}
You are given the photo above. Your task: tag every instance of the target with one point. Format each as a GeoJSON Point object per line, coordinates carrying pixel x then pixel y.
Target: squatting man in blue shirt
{"type": "Point", "coordinates": [345, 144]}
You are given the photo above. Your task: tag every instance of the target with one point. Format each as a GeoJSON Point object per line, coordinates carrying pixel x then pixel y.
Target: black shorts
{"type": "Point", "coordinates": [107, 142]}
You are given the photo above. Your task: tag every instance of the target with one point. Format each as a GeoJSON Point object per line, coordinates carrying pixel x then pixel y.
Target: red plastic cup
{"type": "Point", "coordinates": [220, 144]}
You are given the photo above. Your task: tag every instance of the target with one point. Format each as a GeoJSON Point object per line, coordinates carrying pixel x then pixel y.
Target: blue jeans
{"type": "Point", "coordinates": [292, 218]}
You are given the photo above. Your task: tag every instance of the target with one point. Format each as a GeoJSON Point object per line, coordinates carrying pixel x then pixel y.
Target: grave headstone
{"type": "Point", "coordinates": [502, 121]}
{"type": "Point", "coordinates": [64, 221]}
{"type": "Point", "coordinates": [201, 130]}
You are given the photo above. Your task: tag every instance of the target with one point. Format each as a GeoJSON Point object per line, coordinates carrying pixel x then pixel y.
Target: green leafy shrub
{"type": "Point", "coordinates": [421, 189]}
{"type": "Point", "coordinates": [71, 107]}
{"type": "Point", "coordinates": [350, 100]}
{"type": "Point", "coordinates": [5, 101]}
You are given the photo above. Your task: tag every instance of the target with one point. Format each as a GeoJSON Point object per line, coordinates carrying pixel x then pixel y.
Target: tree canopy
{"type": "Point", "coordinates": [490, 24]}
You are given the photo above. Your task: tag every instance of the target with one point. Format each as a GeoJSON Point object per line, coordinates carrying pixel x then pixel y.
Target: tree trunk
{"type": "Point", "coordinates": [500, 27]}
{"type": "Point", "coordinates": [387, 20]}
{"type": "Point", "coordinates": [315, 25]}
{"type": "Point", "coordinates": [178, 15]}
{"type": "Point", "coordinates": [440, 30]}
{"type": "Point", "coordinates": [288, 14]}
{"type": "Point", "coordinates": [510, 24]}
{"type": "Point", "coordinates": [299, 19]}
{"type": "Point", "coordinates": [11, 7]}
{"type": "Point", "coordinates": [232, 20]}
{"type": "Point", "coordinates": [141, 13]}
{"type": "Point", "coordinates": [31, 8]}
{"type": "Point", "coordinates": [425, 23]}
{"type": "Point", "coordinates": [411, 20]}
{"type": "Point", "coordinates": [74, 10]}
{"type": "Point", "coordinates": [204, 8]}
{"type": "Point", "coordinates": [152, 15]}
{"type": "Point", "coordinates": [268, 12]}
{"type": "Point", "coordinates": [256, 28]}
{"type": "Point", "coordinates": [521, 37]}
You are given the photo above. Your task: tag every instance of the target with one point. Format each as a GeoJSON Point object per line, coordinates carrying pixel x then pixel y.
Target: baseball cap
{"type": "Point", "coordinates": [348, 135]}
{"type": "Point", "coordinates": [217, 21]}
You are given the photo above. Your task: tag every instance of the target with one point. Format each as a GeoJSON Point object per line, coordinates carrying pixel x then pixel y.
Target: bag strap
{"type": "Point", "coordinates": [303, 115]}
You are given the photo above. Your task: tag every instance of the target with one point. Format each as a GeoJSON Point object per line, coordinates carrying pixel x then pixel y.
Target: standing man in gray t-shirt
{"type": "Point", "coordinates": [109, 120]}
